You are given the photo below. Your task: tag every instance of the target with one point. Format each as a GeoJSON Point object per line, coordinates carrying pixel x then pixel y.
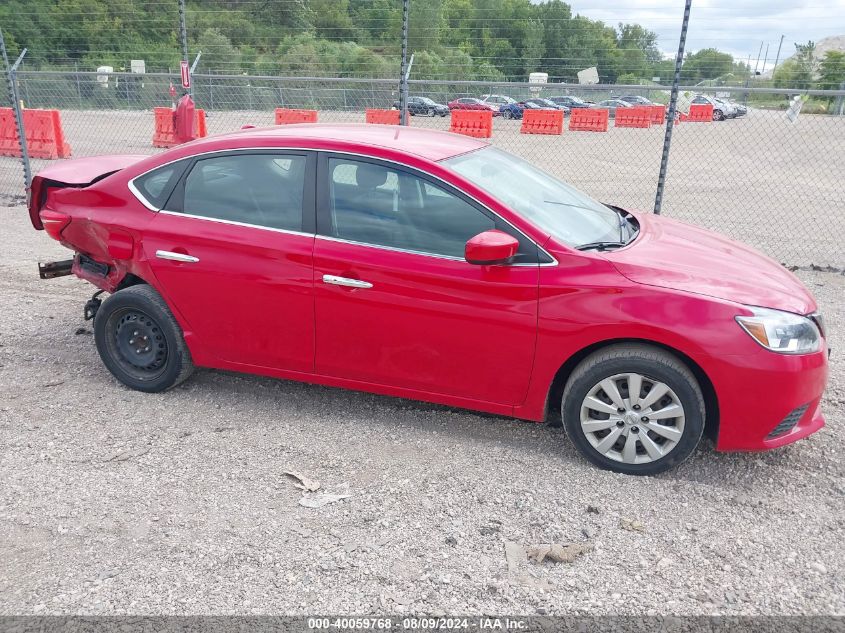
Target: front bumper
{"type": "Point", "coordinates": [767, 400]}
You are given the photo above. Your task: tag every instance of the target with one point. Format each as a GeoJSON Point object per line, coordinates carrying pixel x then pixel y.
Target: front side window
{"type": "Point", "coordinates": [551, 205]}
{"type": "Point", "coordinates": [260, 189]}
{"type": "Point", "coordinates": [374, 204]}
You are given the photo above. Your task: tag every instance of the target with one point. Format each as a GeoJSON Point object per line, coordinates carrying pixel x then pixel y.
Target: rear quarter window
{"type": "Point", "coordinates": [155, 186]}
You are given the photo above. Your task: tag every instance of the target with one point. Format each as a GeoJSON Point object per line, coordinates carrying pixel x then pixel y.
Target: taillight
{"type": "Point", "coordinates": [54, 222]}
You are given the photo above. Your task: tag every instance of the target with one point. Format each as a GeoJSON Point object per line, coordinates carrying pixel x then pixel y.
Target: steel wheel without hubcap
{"type": "Point", "coordinates": [137, 343]}
{"type": "Point", "coordinates": [631, 418]}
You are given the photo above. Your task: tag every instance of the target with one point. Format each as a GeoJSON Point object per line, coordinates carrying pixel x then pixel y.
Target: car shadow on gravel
{"type": "Point", "coordinates": [318, 401]}
{"type": "Point", "coordinates": [471, 428]}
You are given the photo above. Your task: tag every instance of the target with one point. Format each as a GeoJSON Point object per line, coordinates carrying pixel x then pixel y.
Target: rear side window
{"type": "Point", "coordinates": [259, 189]}
{"type": "Point", "coordinates": [157, 184]}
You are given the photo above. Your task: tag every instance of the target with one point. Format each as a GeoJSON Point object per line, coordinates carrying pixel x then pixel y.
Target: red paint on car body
{"type": "Point", "coordinates": [489, 338]}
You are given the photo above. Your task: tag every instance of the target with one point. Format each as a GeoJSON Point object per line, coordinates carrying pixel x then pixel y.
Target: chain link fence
{"type": "Point", "coordinates": [758, 177]}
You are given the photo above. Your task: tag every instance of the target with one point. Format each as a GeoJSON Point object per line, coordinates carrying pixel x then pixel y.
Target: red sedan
{"type": "Point", "coordinates": [470, 103]}
{"type": "Point", "coordinates": [433, 266]}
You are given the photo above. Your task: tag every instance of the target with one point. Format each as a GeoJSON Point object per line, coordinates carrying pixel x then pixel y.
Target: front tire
{"type": "Point", "coordinates": [140, 342]}
{"type": "Point", "coordinates": [634, 409]}
{"type": "Point", "coordinates": [718, 115]}
{"type": "Point", "coordinates": [507, 114]}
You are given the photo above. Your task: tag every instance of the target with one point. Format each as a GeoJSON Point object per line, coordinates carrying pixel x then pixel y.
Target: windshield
{"type": "Point", "coordinates": [552, 206]}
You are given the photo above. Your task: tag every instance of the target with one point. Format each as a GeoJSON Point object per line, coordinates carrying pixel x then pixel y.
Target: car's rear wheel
{"type": "Point", "coordinates": [718, 115]}
{"type": "Point", "coordinates": [140, 341]}
{"type": "Point", "coordinates": [634, 409]}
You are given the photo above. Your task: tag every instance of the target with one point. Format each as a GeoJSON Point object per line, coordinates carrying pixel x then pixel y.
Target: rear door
{"type": "Point", "coordinates": [397, 304]}
{"type": "Point", "coordinates": [232, 251]}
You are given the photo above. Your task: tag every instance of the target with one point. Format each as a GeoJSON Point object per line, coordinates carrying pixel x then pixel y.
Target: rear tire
{"type": "Point", "coordinates": [140, 342]}
{"type": "Point", "coordinates": [718, 115]}
{"type": "Point", "coordinates": [507, 114]}
{"type": "Point", "coordinates": [636, 434]}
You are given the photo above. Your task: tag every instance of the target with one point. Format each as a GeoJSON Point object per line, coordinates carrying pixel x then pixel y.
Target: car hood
{"type": "Point", "coordinates": [672, 254]}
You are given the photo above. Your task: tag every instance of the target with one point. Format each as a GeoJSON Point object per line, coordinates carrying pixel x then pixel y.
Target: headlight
{"type": "Point", "coordinates": [782, 332]}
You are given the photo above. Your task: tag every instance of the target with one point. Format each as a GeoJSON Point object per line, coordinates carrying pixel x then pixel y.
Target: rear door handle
{"type": "Point", "coordinates": [177, 257]}
{"type": "Point", "coordinates": [345, 281]}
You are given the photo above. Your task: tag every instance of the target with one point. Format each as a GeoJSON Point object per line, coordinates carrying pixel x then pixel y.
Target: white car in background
{"type": "Point", "coordinates": [721, 111]}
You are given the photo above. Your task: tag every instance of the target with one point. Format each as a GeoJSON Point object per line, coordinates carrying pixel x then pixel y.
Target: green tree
{"type": "Point", "coordinates": [832, 71]}
{"type": "Point", "coordinates": [218, 52]}
{"type": "Point", "coordinates": [708, 63]}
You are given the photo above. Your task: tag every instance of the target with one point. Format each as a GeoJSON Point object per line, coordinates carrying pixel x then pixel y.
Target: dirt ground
{"type": "Point", "coordinates": [760, 179]}
{"type": "Point", "coordinates": [118, 502]}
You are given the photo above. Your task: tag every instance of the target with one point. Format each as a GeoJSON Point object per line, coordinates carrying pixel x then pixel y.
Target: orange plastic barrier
{"type": "Point", "coordinates": [285, 116]}
{"type": "Point", "coordinates": [165, 132]}
{"type": "Point", "coordinates": [658, 114]}
{"type": "Point", "coordinates": [699, 113]}
{"type": "Point", "coordinates": [588, 120]}
{"type": "Point", "coordinates": [542, 122]}
{"type": "Point", "coordinates": [383, 117]}
{"type": "Point", "coordinates": [633, 117]}
{"type": "Point", "coordinates": [478, 123]}
{"type": "Point", "coordinates": [45, 137]}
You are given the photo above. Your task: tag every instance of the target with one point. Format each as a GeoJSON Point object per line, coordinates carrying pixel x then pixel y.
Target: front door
{"type": "Point", "coordinates": [395, 302]}
{"type": "Point", "coordinates": [232, 252]}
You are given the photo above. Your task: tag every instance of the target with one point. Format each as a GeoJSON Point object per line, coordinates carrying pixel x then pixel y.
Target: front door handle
{"type": "Point", "coordinates": [177, 257]}
{"type": "Point", "coordinates": [345, 281]}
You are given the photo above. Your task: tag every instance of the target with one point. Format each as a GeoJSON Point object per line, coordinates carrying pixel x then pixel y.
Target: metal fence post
{"type": "Point", "coordinates": [403, 79]}
{"type": "Point", "coordinates": [183, 38]}
{"type": "Point", "coordinates": [12, 82]}
{"type": "Point", "coordinates": [670, 116]}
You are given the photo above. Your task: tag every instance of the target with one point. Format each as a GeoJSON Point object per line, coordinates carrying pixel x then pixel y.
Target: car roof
{"type": "Point", "coordinates": [433, 145]}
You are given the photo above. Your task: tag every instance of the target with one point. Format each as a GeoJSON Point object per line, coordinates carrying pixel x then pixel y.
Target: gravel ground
{"type": "Point", "coordinates": [116, 502]}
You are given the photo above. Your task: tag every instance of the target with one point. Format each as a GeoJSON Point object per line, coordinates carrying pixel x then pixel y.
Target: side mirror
{"type": "Point", "coordinates": [491, 247]}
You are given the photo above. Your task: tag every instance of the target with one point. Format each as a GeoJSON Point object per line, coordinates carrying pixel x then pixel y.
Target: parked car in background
{"type": "Point", "coordinates": [727, 107]}
{"type": "Point", "coordinates": [719, 110]}
{"type": "Point", "coordinates": [741, 110]}
{"type": "Point", "coordinates": [538, 103]}
{"type": "Point", "coordinates": [498, 100]}
{"type": "Point", "coordinates": [471, 103]}
{"type": "Point", "coordinates": [637, 100]}
{"type": "Point", "coordinates": [511, 110]}
{"type": "Point", "coordinates": [423, 106]}
{"type": "Point", "coordinates": [570, 102]}
{"type": "Point", "coordinates": [420, 264]}
{"type": "Point", "coordinates": [611, 105]}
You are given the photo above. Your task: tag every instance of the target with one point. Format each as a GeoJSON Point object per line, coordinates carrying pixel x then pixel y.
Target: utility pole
{"type": "Point", "coordinates": [670, 120]}
{"type": "Point", "coordinates": [777, 57]}
{"type": "Point", "coordinates": [403, 79]}
{"type": "Point", "coordinates": [765, 57]}
{"type": "Point", "coordinates": [760, 52]}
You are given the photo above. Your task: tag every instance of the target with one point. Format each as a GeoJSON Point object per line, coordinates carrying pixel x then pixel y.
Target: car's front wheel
{"type": "Point", "coordinates": [634, 409]}
{"type": "Point", "coordinates": [140, 341]}
{"type": "Point", "coordinates": [507, 114]}
{"type": "Point", "coordinates": [718, 115]}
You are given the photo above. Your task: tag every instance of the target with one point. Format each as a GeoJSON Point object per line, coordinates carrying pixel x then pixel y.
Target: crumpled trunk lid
{"type": "Point", "coordinates": [77, 173]}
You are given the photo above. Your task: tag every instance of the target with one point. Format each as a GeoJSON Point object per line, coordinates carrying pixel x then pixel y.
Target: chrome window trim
{"type": "Point", "coordinates": [151, 207]}
{"type": "Point", "coordinates": [235, 223]}
{"type": "Point", "coordinates": [137, 193]}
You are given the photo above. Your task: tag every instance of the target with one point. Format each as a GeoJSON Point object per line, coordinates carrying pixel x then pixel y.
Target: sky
{"type": "Point", "coordinates": [734, 26]}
